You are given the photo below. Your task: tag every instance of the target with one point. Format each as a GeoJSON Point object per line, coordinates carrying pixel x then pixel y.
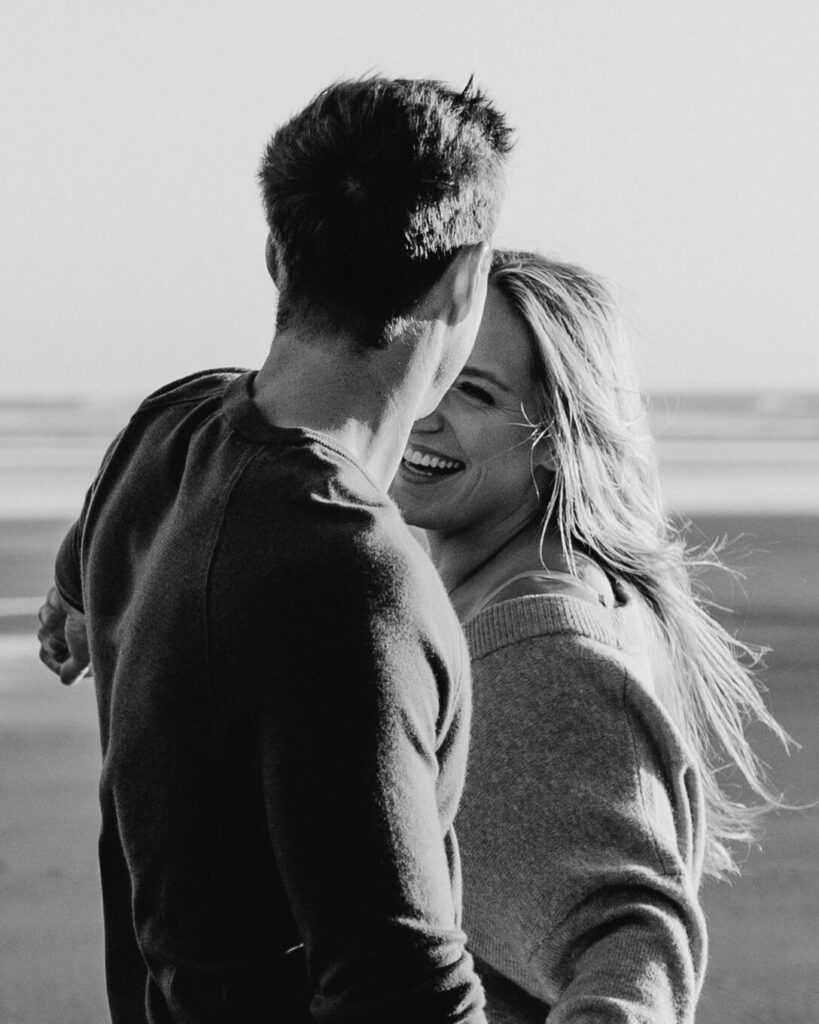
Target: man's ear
{"type": "Point", "coordinates": [462, 284]}
{"type": "Point", "coordinates": [271, 259]}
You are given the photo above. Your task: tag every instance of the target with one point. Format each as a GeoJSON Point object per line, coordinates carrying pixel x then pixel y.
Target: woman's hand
{"type": "Point", "coordinates": [63, 639]}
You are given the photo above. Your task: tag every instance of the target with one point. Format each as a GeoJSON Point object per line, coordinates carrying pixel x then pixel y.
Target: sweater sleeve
{"type": "Point", "coordinates": [350, 763]}
{"type": "Point", "coordinates": [67, 567]}
{"type": "Point", "coordinates": [68, 563]}
{"type": "Point", "coordinates": [607, 834]}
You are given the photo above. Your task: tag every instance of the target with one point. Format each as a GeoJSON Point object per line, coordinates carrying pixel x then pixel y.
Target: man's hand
{"type": "Point", "coordinates": [63, 639]}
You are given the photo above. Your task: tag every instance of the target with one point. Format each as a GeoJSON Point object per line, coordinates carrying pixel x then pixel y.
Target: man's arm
{"type": "Point", "coordinates": [62, 633]}
{"type": "Point", "coordinates": [351, 763]}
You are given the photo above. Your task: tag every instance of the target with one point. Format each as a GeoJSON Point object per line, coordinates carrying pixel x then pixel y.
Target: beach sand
{"type": "Point", "coordinates": [764, 927]}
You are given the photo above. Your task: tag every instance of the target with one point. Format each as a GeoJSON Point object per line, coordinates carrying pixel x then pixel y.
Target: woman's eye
{"type": "Point", "coordinates": [475, 391]}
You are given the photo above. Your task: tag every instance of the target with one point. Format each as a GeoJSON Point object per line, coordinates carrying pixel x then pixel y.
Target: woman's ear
{"type": "Point", "coordinates": [544, 477]}
{"type": "Point", "coordinates": [543, 455]}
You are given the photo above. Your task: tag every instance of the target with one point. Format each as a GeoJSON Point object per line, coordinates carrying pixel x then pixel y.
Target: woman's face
{"type": "Point", "coordinates": [469, 463]}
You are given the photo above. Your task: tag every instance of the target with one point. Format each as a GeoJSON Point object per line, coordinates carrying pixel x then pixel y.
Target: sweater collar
{"type": "Point", "coordinates": [540, 615]}
{"type": "Point", "coordinates": [245, 417]}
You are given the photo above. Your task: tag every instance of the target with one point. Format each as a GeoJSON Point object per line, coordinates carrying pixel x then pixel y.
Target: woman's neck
{"type": "Point", "coordinates": [473, 563]}
{"type": "Point", "coordinates": [460, 554]}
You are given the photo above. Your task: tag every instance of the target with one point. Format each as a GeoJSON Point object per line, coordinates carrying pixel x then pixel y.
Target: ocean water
{"type": "Point", "coordinates": [718, 454]}
{"type": "Point", "coordinates": [758, 476]}
{"type": "Point", "coordinates": [752, 453]}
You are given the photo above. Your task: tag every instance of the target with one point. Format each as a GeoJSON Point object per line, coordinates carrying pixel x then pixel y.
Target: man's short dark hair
{"type": "Point", "coordinates": [371, 189]}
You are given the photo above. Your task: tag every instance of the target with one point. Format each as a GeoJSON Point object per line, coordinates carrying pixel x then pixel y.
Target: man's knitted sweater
{"type": "Point", "coordinates": [581, 827]}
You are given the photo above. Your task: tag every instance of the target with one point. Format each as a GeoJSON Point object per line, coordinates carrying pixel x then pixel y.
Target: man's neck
{"type": "Point", "coordinates": [365, 402]}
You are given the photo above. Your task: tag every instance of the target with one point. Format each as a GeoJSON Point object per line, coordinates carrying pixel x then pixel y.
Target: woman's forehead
{"type": "Point", "coordinates": [503, 348]}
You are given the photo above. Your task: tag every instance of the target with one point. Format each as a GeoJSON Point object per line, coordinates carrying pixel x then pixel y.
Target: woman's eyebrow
{"type": "Point", "coordinates": [486, 375]}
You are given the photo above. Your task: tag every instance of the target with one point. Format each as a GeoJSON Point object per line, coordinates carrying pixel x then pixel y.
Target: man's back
{"type": "Point", "coordinates": [247, 589]}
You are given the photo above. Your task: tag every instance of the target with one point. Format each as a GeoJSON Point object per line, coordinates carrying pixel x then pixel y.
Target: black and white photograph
{"type": "Point", "coordinates": [409, 512]}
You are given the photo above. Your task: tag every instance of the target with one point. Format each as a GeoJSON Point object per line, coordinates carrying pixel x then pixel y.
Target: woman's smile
{"type": "Point", "coordinates": [425, 463]}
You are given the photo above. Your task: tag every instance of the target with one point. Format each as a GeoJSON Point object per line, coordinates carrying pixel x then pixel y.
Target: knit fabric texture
{"type": "Point", "coordinates": [581, 828]}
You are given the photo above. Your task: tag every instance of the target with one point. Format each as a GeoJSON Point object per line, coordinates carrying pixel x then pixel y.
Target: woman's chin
{"type": "Point", "coordinates": [416, 498]}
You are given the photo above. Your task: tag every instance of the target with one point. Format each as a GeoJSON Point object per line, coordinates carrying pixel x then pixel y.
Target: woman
{"type": "Point", "coordinates": [606, 700]}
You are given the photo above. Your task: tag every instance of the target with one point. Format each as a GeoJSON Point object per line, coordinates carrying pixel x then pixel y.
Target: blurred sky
{"type": "Point", "coordinates": [671, 146]}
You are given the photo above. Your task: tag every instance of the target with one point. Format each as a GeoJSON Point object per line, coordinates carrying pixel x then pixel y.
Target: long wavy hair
{"type": "Point", "coordinates": [605, 501]}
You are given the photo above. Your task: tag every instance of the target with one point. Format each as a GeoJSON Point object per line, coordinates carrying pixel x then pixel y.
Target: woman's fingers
{"type": "Point", "coordinates": [63, 639]}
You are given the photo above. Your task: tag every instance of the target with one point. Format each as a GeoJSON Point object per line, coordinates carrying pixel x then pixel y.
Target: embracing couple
{"type": "Point", "coordinates": [284, 682]}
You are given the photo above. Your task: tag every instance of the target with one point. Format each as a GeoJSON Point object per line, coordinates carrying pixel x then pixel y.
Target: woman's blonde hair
{"type": "Point", "coordinates": [606, 500]}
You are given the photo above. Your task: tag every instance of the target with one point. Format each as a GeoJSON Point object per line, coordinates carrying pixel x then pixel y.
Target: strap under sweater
{"type": "Point", "coordinates": [561, 580]}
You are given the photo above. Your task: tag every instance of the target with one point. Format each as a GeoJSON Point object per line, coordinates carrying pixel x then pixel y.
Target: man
{"type": "Point", "coordinates": [282, 686]}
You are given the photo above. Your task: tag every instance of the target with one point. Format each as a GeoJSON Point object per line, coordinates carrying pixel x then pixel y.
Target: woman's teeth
{"type": "Point", "coordinates": [424, 462]}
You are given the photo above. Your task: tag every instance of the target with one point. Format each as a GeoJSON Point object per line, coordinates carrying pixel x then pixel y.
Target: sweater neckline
{"type": "Point", "coordinates": [537, 615]}
{"type": "Point", "coordinates": [245, 417]}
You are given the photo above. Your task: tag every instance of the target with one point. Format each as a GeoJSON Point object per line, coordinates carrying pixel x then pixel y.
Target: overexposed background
{"type": "Point", "coordinates": [670, 146]}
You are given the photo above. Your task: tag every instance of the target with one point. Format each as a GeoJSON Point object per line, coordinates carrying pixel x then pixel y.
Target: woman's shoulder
{"type": "Point", "coordinates": [544, 610]}
{"type": "Point", "coordinates": [588, 582]}
{"type": "Point", "coordinates": [561, 648]}
{"type": "Point", "coordinates": [580, 705]}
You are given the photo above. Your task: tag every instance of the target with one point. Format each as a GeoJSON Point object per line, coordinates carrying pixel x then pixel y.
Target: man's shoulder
{"type": "Point", "coordinates": [147, 439]}
{"type": "Point", "coordinates": [379, 571]}
{"type": "Point", "coordinates": [366, 545]}
{"type": "Point", "coordinates": [193, 388]}
{"type": "Point", "coordinates": [392, 560]}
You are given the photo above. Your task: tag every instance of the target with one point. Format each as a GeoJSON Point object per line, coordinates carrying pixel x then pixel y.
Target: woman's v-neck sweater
{"type": "Point", "coordinates": [581, 827]}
